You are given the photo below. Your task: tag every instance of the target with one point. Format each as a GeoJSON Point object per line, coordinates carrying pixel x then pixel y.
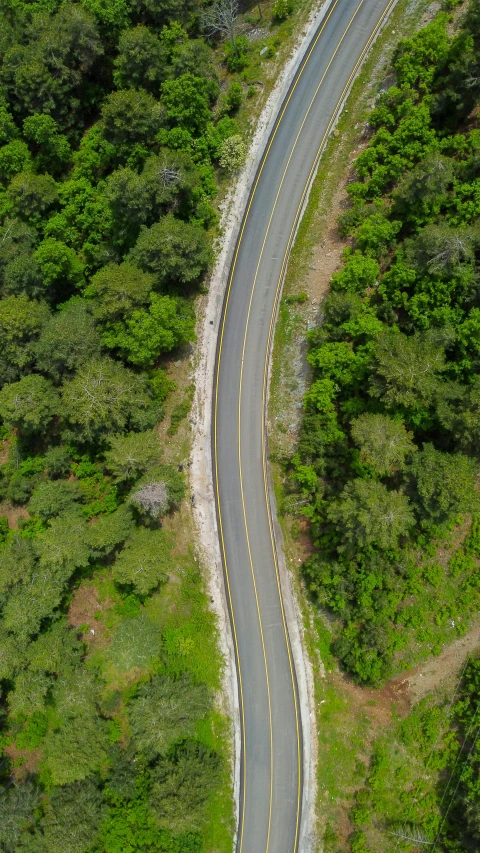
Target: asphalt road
{"type": "Point", "coordinates": [271, 784]}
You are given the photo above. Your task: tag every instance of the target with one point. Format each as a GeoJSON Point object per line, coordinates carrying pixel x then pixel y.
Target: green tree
{"type": "Point", "coordinates": [445, 483]}
{"type": "Point", "coordinates": [443, 251]}
{"type": "Point", "coordinates": [55, 497]}
{"type": "Point", "coordinates": [67, 341]}
{"type": "Point", "coordinates": [77, 746]}
{"type": "Point", "coordinates": [165, 710]}
{"type": "Point", "coordinates": [130, 116]}
{"type": "Point", "coordinates": [72, 817]}
{"type": "Point", "coordinates": [339, 362]}
{"type": "Point", "coordinates": [29, 694]}
{"type": "Point", "coordinates": [62, 547]}
{"type": "Point", "coordinates": [192, 56]}
{"type": "Point", "coordinates": [407, 369]}
{"type": "Point", "coordinates": [18, 804]}
{"type": "Point", "coordinates": [8, 129]}
{"type": "Point", "coordinates": [110, 530]}
{"type": "Point", "coordinates": [22, 275]}
{"type": "Point", "coordinates": [182, 783]}
{"type": "Point", "coordinates": [367, 513]}
{"type": "Point", "coordinates": [144, 561]}
{"type": "Point", "coordinates": [14, 158]}
{"type": "Point", "coordinates": [32, 195]}
{"type": "Point", "coordinates": [458, 410]}
{"type": "Point", "coordinates": [169, 323]}
{"type": "Point", "coordinates": [358, 273]}
{"type": "Point", "coordinates": [129, 199]}
{"type": "Point", "coordinates": [141, 60]}
{"type": "Point", "coordinates": [16, 238]}
{"type": "Point", "coordinates": [234, 97]}
{"type": "Point", "coordinates": [419, 59]}
{"type": "Point", "coordinates": [187, 102]}
{"type": "Point", "coordinates": [175, 252]}
{"type": "Point", "coordinates": [41, 76]}
{"type": "Point", "coordinates": [55, 650]}
{"type": "Point", "coordinates": [29, 404]}
{"type": "Point", "coordinates": [106, 398]}
{"type": "Point", "coordinates": [16, 565]}
{"type": "Point", "coordinates": [160, 12]}
{"type": "Point", "coordinates": [421, 191]}
{"type": "Point", "coordinates": [21, 321]}
{"type": "Point", "coordinates": [58, 263]}
{"type": "Point", "coordinates": [51, 149]}
{"type": "Point", "coordinates": [117, 290]}
{"type": "Point", "coordinates": [112, 16]}
{"type": "Point", "coordinates": [383, 441]}
{"type": "Point", "coordinates": [375, 234]}
{"type": "Point", "coordinates": [131, 455]}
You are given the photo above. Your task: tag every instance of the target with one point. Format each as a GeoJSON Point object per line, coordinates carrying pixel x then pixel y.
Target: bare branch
{"type": "Point", "coordinates": [221, 18]}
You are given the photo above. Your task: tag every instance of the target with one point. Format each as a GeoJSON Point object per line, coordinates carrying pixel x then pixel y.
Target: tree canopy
{"type": "Point", "coordinates": [388, 455]}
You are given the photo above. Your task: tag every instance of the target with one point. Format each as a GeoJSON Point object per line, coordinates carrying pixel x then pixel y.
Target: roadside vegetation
{"type": "Point", "coordinates": [387, 548]}
{"type": "Point", "coordinates": [421, 786]}
{"type": "Point", "coordinates": [120, 125]}
{"type": "Point", "coordinates": [387, 457]}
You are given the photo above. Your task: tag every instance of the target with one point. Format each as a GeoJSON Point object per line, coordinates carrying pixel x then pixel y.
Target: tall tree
{"type": "Point", "coordinates": [383, 441]}
{"type": "Point", "coordinates": [144, 561]}
{"type": "Point", "coordinates": [29, 405]}
{"type": "Point", "coordinates": [165, 710]}
{"type": "Point", "coordinates": [367, 513]}
{"type": "Point", "coordinates": [175, 252]}
{"type": "Point", "coordinates": [445, 483]}
{"type": "Point", "coordinates": [106, 398]}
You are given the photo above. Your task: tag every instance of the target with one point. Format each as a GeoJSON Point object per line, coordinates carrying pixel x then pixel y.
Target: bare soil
{"type": "Point", "coordinates": [4, 448]}
{"type": "Point", "coordinates": [83, 607]}
{"type": "Point", "coordinates": [25, 762]}
{"type": "Point", "coordinates": [13, 513]}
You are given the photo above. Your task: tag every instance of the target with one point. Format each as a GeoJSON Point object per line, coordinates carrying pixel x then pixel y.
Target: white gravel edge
{"type": "Point", "coordinates": [201, 473]}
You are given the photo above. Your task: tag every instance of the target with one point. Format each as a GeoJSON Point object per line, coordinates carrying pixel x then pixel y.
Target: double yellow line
{"type": "Point", "coordinates": [264, 397]}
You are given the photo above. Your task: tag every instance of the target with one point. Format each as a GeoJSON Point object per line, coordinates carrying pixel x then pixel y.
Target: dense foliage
{"type": "Point", "coordinates": [389, 448]}
{"type": "Point", "coordinates": [422, 786]}
{"type": "Point", "coordinates": [111, 130]}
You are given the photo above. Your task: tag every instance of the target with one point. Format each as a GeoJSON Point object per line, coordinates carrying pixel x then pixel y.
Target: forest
{"type": "Point", "coordinates": [113, 135]}
{"type": "Point", "coordinates": [387, 464]}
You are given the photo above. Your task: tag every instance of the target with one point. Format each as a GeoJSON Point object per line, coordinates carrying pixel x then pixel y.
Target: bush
{"type": "Point", "coordinates": [282, 9]}
{"type": "Point", "coordinates": [235, 54]}
{"type": "Point", "coordinates": [232, 154]}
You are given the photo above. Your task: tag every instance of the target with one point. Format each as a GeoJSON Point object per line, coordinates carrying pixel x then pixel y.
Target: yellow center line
{"type": "Point", "coordinates": [219, 357]}
{"type": "Point", "coordinates": [220, 349]}
{"type": "Point", "coordinates": [322, 79]}
{"type": "Point", "coordinates": [265, 387]}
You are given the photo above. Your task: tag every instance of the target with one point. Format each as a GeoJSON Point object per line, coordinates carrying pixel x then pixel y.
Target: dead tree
{"type": "Point", "coordinates": [151, 499]}
{"type": "Point", "coordinates": [222, 18]}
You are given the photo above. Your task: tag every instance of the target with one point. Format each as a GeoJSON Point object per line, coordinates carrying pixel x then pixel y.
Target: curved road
{"type": "Point", "coordinates": [271, 778]}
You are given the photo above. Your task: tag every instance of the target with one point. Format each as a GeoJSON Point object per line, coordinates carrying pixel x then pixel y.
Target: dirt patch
{"type": "Point", "coordinates": [84, 611]}
{"type": "Point", "coordinates": [25, 762]}
{"type": "Point", "coordinates": [441, 671]}
{"type": "Point", "coordinates": [401, 693]}
{"type": "Point", "coordinates": [13, 514]}
{"type": "Point", "coordinates": [379, 705]}
{"type": "Point", "coordinates": [4, 448]}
